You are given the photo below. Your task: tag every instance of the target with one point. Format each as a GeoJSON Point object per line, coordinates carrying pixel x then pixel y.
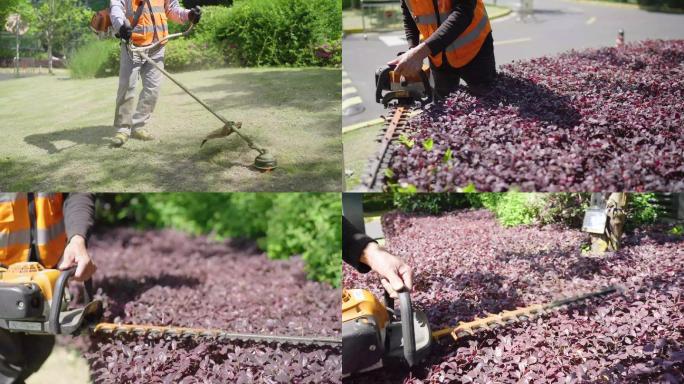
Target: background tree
{"type": "Point", "coordinates": [63, 24]}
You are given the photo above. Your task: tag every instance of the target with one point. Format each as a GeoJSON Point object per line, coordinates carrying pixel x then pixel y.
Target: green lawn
{"type": "Point", "coordinates": [359, 146]}
{"type": "Point", "coordinates": [56, 131]}
{"type": "Point", "coordinates": [64, 366]}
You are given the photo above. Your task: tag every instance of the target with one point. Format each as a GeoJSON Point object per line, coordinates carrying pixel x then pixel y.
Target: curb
{"type": "Point", "coordinates": [606, 3]}
{"type": "Point", "coordinates": [366, 124]}
{"type": "Point", "coordinates": [363, 124]}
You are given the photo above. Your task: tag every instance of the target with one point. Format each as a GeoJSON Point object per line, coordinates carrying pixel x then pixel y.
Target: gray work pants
{"type": "Point", "coordinates": [125, 120]}
{"type": "Point", "coordinates": [21, 355]}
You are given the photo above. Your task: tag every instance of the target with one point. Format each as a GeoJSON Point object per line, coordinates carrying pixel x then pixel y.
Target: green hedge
{"type": "Point", "coordinates": [282, 32]}
{"type": "Point", "coordinates": [283, 224]}
{"type": "Point", "coordinates": [519, 208]}
{"type": "Point", "coordinates": [251, 33]}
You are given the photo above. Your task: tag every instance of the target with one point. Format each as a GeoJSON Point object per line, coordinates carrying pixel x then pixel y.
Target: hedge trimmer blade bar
{"type": "Point", "coordinates": [394, 126]}
{"type": "Point", "coordinates": [520, 314]}
{"type": "Point", "coordinates": [157, 331]}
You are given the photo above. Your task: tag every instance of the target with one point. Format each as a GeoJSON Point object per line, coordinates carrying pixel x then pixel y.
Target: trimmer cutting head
{"type": "Point", "coordinates": [265, 162]}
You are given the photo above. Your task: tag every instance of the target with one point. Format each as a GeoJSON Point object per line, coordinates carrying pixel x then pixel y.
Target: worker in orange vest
{"type": "Point", "coordinates": [142, 22]}
{"type": "Point", "coordinates": [457, 38]}
{"type": "Point", "coordinates": [52, 229]}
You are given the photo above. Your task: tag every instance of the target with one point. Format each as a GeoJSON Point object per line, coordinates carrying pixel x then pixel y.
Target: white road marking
{"type": "Point", "coordinates": [500, 19]}
{"type": "Point", "coordinates": [393, 40]}
{"type": "Point", "coordinates": [512, 41]}
{"type": "Point", "coordinates": [351, 101]}
{"type": "Point", "coordinates": [591, 20]}
{"type": "Point", "coordinates": [348, 90]}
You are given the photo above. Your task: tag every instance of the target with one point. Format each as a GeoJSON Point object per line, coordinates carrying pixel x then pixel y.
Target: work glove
{"type": "Point", "coordinates": [125, 32]}
{"type": "Point", "coordinates": [195, 14]}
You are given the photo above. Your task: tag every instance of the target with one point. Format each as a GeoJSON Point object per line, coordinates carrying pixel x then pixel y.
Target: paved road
{"type": "Point", "coordinates": [556, 26]}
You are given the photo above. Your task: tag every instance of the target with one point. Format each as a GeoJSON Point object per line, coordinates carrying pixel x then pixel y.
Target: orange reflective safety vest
{"type": "Point", "coordinates": [462, 50]}
{"type": "Point", "coordinates": [151, 22]}
{"type": "Point", "coordinates": [15, 228]}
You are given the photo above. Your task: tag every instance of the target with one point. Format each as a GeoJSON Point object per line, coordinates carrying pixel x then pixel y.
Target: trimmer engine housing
{"type": "Point", "coordinates": [373, 336]}
{"type": "Point", "coordinates": [36, 300]}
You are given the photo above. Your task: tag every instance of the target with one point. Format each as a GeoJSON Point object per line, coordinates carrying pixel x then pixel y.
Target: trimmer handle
{"type": "Point", "coordinates": [133, 48]}
{"type": "Point", "coordinates": [58, 296]}
{"type": "Point", "coordinates": [408, 334]}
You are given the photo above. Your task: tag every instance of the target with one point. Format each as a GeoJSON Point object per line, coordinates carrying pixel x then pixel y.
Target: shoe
{"type": "Point", "coordinates": [119, 139]}
{"type": "Point", "coordinates": [142, 134]}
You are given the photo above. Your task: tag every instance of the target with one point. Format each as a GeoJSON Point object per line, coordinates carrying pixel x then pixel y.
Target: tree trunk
{"type": "Point", "coordinates": [615, 210]}
{"type": "Point", "coordinates": [16, 60]}
{"type": "Point", "coordinates": [617, 204]}
{"type": "Point", "coordinates": [49, 32]}
{"type": "Point", "coordinates": [49, 52]}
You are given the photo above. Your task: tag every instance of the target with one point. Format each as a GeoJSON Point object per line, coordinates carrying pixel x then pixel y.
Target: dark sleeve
{"type": "Point", "coordinates": [353, 244]}
{"type": "Point", "coordinates": [79, 214]}
{"type": "Point", "coordinates": [410, 27]}
{"type": "Point", "coordinates": [453, 26]}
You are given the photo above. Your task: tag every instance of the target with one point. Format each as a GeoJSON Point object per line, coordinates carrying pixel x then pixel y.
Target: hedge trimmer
{"type": "Point", "coordinates": [374, 336]}
{"type": "Point", "coordinates": [36, 300]}
{"type": "Point", "coordinates": [401, 95]}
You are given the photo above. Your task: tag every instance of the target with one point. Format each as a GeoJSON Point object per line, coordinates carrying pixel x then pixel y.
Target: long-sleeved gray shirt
{"type": "Point", "coordinates": [449, 29]}
{"type": "Point", "coordinates": [118, 11]}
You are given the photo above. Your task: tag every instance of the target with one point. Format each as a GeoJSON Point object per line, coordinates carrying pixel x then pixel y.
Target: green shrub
{"type": "Point", "coordinates": [431, 203]}
{"type": "Point", "coordinates": [517, 208]}
{"type": "Point", "coordinates": [564, 208]}
{"type": "Point", "coordinates": [643, 208]}
{"type": "Point", "coordinates": [98, 58]}
{"type": "Point", "coordinates": [190, 54]}
{"type": "Point", "coordinates": [213, 17]}
{"type": "Point", "coordinates": [280, 32]}
{"type": "Point", "coordinates": [283, 224]}
{"type": "Point", "coordinates": [308, 224]}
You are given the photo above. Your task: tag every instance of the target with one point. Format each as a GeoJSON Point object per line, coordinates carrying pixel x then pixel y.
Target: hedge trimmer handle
{"type": "Point", "coordinates": [58, 295]}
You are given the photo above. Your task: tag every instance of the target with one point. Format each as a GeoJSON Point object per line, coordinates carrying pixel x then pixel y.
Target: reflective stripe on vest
{"type": "Point", "coordinates": [15, 228]}
{"type": "Point", "coordinates": [466, 46]}
{"type": "Point", "coordinates": [152, 25]}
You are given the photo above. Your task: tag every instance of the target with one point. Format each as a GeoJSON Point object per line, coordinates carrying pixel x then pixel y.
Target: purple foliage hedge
{"type": "Point", "coordinates": [169, 278]}
{"type": "Point", "coordinates": [465, 265]}
{"type": "Point", "coordinates": [595, 120]}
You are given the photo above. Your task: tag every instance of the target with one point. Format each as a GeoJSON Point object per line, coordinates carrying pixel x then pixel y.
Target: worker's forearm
{"type": "Point", "coordinates": [410, 27]}
{"type": "Point", "coordinates": [453, 26]}
{"type": "Point", "coordinates": [175, 12]}
{"type": "Point", "coordinates": [117, 13]}
{"type": "Point", "coordinates": [354, 243]}
{"type": "Point", "coordinates": [79, 214]}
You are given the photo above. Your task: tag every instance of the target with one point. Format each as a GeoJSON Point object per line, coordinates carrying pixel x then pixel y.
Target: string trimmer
{"type": "Point", "coordinates": [374, 336]}
{"type": "Point", "coordinates": [265, 161]}
{"type": "Point", "coordinates": [36, 300]}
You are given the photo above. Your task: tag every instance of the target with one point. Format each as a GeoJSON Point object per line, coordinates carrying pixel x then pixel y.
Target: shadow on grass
{"type": "Point", "coordinates": [309, 90]}
{"type": "Point", "coordinates": [207, 170]}
{"type": "Point", "coordinates": [94, 135]}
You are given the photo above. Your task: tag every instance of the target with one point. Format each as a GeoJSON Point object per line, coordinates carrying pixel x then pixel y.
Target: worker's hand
{"type": "Point", "coordinates": [125, 32]}
{"type": "Point", "coordinates": [410, 63]}
{"type": "Point", "coordinates": [76, 254]}
{"type": "Point", "coordinates": [195, 14]}
{"type": "Point", "coordinates": [395, 274]}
